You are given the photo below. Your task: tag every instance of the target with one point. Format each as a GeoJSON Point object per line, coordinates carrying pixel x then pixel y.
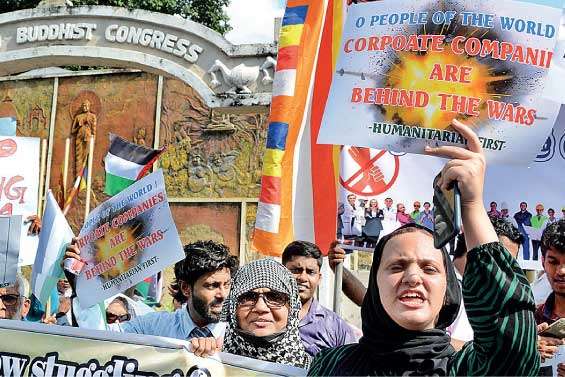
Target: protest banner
{"type": "Point", "coordinates": [41, 350]}
{"type": "Point", "coordinates": [126, 239]}
{"type": "Point", "coordinates": [55, 235]}
{"type": "Point", "coordinates": [408, 68]}
{"type": "Point", "coordinates": [19, 186]}
{"type": "Point", "coordinates": [10, 227]}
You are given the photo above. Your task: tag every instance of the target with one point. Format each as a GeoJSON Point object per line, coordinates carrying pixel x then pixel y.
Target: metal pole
{"type": "Point", "coordinates": [337, 288]}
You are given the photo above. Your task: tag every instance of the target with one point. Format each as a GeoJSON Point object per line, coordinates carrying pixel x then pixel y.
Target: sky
{"type": "Point", "coordinates": [253, 20]}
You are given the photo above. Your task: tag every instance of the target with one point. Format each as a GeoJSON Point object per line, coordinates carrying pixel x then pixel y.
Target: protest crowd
{"type": "Point", "coordinates": [424, 311]}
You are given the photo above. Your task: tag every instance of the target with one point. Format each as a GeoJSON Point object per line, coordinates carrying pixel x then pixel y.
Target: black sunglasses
{"type": "Point", "coordinates": [112, 318]}
{"type": "Point", "coordinates": [9, 299]}
{"type": "Point", "coordinates": [273, 299]}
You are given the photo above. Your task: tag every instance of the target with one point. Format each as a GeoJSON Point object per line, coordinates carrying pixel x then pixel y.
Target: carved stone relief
{"type": "Point", "coordinates": [210, 153]}
{"type": "Point", "coordinates": [29, 101]}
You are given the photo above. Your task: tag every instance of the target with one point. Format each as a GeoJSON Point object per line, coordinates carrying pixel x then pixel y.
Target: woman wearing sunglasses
{"type": "Point", "coordinates": [262, 315]}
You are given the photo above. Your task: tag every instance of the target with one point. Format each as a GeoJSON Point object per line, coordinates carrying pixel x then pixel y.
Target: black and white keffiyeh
{"type": "Point", "coordinates": [286, 348]}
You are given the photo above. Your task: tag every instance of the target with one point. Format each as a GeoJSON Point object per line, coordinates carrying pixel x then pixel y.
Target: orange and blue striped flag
{"type": "Point", "coordinates": [298, 186]}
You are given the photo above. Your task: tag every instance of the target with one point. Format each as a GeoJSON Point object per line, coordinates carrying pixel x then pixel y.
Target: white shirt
{"type": "Point", "coordinates": [177, 324]}
{"type": "Point", "coordinates": [461, 329]}
{"type": "Point", "coordinates": [390, 214]}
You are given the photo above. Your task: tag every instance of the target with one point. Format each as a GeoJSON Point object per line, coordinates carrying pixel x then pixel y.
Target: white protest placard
{"type": "Point", "coordinates": [9, 248]}
{"type": "Point", "coordinates": [19, 186]}
{"type": "Point", "coordinates": [126, 239]}
{"type": "Point", "coordinates": [408, 68]}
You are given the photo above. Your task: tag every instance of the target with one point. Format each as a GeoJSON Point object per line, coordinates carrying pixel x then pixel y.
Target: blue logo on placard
{"type": "Point", "coordinates": [547, 150]}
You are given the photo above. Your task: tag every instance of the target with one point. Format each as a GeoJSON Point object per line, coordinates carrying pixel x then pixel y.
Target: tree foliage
{"type": "Point", "coordinates": [207, 12]}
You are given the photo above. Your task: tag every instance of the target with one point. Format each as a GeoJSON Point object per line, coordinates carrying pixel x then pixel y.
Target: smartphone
{"type": "Point", "coordinates": [447, 213]}
{"type": "Point", "coordinates": [556, 329]}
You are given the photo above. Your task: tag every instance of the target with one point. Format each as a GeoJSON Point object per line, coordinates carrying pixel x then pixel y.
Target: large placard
{"type": "Point", "coordinates": [126, 239]}
{"type": "Point", "coordinates": [408, 68]}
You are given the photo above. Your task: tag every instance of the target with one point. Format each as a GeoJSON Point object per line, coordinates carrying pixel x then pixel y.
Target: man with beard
{"type": "Point", "coordinates": [319, 327]}
{"type": "Point", "coordinates": [553, 258]}
{"type": "Point", "coordinates": [203, 279]}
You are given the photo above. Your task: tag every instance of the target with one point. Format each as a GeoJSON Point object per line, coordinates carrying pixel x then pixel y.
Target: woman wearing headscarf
{"type": "Point", "coordinates": [413, 295]}
{"type": "Point", "coordinates": [262, 315]}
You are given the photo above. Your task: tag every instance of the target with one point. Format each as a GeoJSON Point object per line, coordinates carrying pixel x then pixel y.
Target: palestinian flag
{"type": "Point", "coordinates": [125, 163]}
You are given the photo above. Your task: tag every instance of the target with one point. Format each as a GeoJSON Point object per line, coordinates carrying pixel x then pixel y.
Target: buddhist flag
{"type": "Point", "coordinates": [126, 163]}
{"type": "Point", "coordinates": [298, 186]}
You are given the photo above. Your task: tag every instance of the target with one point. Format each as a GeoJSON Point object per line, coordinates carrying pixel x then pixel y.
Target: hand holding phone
{"type": "Point", "coordinates": [447, 213]}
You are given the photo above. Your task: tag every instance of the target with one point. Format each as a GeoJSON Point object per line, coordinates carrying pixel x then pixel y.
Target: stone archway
{"type": "Point", "coordinates": [153, 42]}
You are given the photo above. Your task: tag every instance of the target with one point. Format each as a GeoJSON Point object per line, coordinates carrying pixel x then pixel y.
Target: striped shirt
{"type": "Point", "coordinates": [500, 308]}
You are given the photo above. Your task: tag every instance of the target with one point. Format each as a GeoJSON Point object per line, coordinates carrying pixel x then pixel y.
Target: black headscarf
{"type": "Point", "coordinates": [386, 348]}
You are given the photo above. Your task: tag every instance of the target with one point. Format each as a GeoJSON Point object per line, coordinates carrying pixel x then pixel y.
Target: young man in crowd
{"type": "Point", "coordinates": [14, 303]}
{"type": "Point", "coordinates": [204, 280]}
{"type": "Point", "coordinates": [553, 258]}
{"type": "Point", "coordinates": [319, 327]}
{"type": "Point", "coordinates": [523, 217]}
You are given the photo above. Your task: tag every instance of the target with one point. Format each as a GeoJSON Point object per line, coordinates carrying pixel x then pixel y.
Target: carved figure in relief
{"type": "Point", "coordinates": [37, 119]}
{"type": "Point", "coordinates": [269, 63]}
{"type": "Point", "coordinates": [180, 133]}
{"type": "Point", "coordinates": [223, 165]}
{"type": "Point", "coordinates": [238, 78]}
{"type": "Point", "coordinates": [198, 175]}
{"type": "Point", "coordinates": [140, 136]}
{"type": "Point", "coordinates": [84, 126]}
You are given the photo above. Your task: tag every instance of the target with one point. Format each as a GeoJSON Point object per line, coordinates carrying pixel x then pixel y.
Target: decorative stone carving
{"type": "Point", "coordinates": [140, 137]}
{"type": "Point", "coordinates": [269, 63]}
{"type": "Point", "coordinates": [37, 120]}
{"type": "Point", "coordinates": [239, 78]}
{"type": "Point", "coordinates": [84, 110]}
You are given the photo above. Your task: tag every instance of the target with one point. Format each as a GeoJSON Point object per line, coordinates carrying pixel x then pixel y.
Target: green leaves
{"type": "Point", "coordinates": [210, 13]}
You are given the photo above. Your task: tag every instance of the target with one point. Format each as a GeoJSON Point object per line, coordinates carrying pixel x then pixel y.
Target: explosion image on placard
{"type": "Point", "coordinates": [488, 79]}
{"type": "Point", "coordinates": [118, 249]}
{"type": "Point", "coordinates": [409, 73]}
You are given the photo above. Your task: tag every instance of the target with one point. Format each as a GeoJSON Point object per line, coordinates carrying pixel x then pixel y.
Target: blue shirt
{"type": "Point", "coordinates": [321, 328]}
{"type": "Point", "coordinates": [177, 324]}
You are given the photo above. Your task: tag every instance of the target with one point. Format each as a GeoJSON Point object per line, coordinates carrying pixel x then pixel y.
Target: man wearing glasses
{"type": "Point", "coordinates": [13, 301]}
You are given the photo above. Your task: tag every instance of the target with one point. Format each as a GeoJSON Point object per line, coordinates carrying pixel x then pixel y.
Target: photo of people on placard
{"type": "Point", "coordinates": [361, 221]}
